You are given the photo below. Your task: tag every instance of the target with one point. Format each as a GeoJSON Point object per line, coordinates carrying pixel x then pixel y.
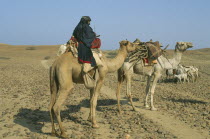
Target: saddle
{"type": "Point", "coordinates": [154, 50]}
{"type": "Point", "coordinates": [90, 78]}
{"type": "Point", "coordinates": [72, 45]}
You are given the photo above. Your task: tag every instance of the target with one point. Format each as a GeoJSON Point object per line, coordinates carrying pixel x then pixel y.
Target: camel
{"type": "Point", "coordinates": [126, 71]}
{"type": "Point", "coordinates": [66, 70]}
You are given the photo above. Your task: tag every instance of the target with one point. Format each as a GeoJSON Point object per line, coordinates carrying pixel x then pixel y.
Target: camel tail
{"type": "Point", "coordinates": [121, 75]}
{"type": "Point", "coordinates": [121, 78]}
{"type": "Point", "coordinates": [53, 87]}
{"type": "Point", "coordinates": [53, 92]}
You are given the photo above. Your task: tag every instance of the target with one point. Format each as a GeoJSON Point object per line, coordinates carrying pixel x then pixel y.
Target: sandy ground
{"type": "Point", "coordinates": [183, 109]}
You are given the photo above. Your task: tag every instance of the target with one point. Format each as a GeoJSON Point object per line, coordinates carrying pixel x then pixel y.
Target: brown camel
{"type": "Point", "coordinates": [66, 70]}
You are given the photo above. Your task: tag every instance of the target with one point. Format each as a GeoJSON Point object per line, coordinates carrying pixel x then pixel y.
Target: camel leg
{"type": "Point", "coordinates": [193, 78]}
{"type": "Point", "coordinates": [149, 78]}
{"type": "Point", "coordinates": [119, 84]}
{"type": "Point", "coordinates": [128, 81]}
{"type": "Point", "coordinates": [93, 103]}
{"type": "Point", "coordinates": [91, 95]}
{"type": "Point", "coordinates": [156, 77]}
{"type": "Point", "coordinates": [188, 80]}
{"type": "Point", "coordinates": [63, 93]}
{"type": "Point", "coordinates": [197, 75]}
{"type": "Point", "coordinates": [52, 114]}
{"type": "Point", "coordinates": [121, 77]}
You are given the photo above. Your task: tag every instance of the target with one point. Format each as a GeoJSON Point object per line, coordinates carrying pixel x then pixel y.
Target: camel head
{"type": "Point", "coordinates": [183, 46]}
{"type": "Point", "coordinates": [127, 45]}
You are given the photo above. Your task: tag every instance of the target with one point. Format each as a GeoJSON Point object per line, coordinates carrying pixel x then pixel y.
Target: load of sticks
{"type": "Point", "coordinates": [141, 52]}
{"type": "Point", "coordinates": [146, 50]}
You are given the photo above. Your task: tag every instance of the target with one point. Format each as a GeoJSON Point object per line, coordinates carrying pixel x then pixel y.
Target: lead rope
{"type": "Point", "coordinates": [168, 60]}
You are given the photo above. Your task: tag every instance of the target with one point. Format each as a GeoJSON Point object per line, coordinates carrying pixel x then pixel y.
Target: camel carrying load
{"type": "Point", "coordinates": [153, 71]}
{"type": "Point", "coordinates": [148, 52]}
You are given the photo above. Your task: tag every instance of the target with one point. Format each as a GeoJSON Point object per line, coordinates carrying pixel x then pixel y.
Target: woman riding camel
{"type": "Point", "coordinates": [85, 36]}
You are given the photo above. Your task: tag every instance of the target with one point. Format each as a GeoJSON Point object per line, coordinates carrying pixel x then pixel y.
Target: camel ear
{"type": "Point", "coordinates": [124, 42]}
{"type": "Point", "coordinates": [190, 43]}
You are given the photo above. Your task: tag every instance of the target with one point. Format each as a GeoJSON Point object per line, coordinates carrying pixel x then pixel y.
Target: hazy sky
{"type": "Point", "coordinates": [51, 22]}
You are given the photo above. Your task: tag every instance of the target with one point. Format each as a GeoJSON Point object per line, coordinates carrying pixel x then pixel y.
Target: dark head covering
{"type": "Point", "coordinates": [85, 19]}
{"type": "Point", "coordinates": [85, 36]}
{"type": "Point", "coordinates": [81, 27]}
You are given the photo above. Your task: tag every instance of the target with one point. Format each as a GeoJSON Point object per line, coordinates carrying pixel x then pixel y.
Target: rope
{"type": "Point", "coordinates": [167, 59]}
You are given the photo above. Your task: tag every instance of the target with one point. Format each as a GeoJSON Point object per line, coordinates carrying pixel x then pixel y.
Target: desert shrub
{"type": "Point", "coordinates": [4, 58]}
{"type": "Point", "coordinates": [30, 48]}
{"type": "Point", "coordinates": [46, 57]}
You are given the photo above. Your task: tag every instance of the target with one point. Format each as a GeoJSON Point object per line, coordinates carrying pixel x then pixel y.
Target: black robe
{"type": "Point", "coordinates": [85, 36]}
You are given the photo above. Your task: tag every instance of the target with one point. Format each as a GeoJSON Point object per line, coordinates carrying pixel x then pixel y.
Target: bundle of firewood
{"type": "Point", "coordinates": [139, 53]}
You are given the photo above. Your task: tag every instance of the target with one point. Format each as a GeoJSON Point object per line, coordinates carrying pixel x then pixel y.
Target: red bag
{"type": "Point", "coordinates": [96, 43]}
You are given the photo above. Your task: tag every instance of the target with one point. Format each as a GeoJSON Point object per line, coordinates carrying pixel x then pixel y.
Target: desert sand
{"type": "Point", "coordinates": [183, 109]}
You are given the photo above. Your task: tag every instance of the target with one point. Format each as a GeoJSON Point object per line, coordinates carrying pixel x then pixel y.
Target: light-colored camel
{"type": "Point", "coordinates": [126, 71]}
{"type": "Point", "coordinates": [66, 70]}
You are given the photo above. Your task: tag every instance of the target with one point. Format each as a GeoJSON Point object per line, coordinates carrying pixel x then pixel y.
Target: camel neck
{"type": "Point", "coordinates": [115, 63]}
{"type": "Point", "coordinates": [170, 63]}
{"type": "Point", "coordinates": [177, 58]}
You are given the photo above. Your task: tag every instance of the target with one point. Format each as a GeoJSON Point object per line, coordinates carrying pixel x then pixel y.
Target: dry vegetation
{"type": "Point", "coordinates": [183, 109]}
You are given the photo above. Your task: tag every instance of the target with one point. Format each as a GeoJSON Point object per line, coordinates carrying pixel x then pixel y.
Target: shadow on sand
{"type": "Point", "coordinates": [34, 119]}
{"type": "Point", "coordinates": [192, 101]}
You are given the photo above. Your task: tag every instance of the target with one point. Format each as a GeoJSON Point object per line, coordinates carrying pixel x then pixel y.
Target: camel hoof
{"type": "Point", "coordinates": [154, 109]}
{"type": "Point", "coordinates": [54, 134]}
{"type": "Point", "coordinates": [89, 119]}
{"type": "Point", "coordinates": [95, 126]}
{"type": "Point", "coordinates": [146, 106]}
{"type": "Point", "coordinates": [136, 110]}
{"type": "Point", "coordinates": [64, 136]}
{"type": "Point", "coordinates": [119, 112]}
